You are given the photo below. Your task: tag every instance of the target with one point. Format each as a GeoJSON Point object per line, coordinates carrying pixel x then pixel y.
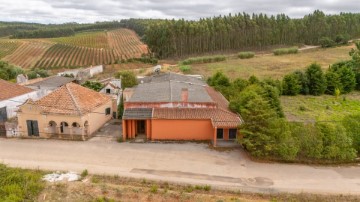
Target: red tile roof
{"type": "Point", "coordinates": [219, 117]}
{"type": "Point", "coordinates": [72, 99]}
{"type": "Point", "coordinates": [218, 98]}
{"type": "Point", "coordinates": [10, 90]}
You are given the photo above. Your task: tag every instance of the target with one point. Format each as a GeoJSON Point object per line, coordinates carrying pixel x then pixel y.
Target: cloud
{"type": "Point", "coordinates": [50, 11]}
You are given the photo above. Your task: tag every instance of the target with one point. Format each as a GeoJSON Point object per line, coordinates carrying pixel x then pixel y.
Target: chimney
{"type": "Point", "coordinates": [184, 95]}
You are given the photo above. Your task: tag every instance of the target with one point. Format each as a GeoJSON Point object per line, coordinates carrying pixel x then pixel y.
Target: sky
{"type": "Point", "coordinates": [87, 11]}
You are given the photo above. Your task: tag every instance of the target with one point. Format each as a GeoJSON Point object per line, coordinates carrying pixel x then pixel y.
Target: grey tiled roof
{"type": "Point", "coordinates": [138, 113]}
{"type": "Point", "coordinates": [52, 82]}
{"type": "Point", "coordinates": [170, 91]}
{"type": "Point", "coordinates": [170, 76]}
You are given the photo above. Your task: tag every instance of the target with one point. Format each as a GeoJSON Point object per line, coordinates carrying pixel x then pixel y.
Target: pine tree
{"type": "Point", "coordinates": [316, 78]}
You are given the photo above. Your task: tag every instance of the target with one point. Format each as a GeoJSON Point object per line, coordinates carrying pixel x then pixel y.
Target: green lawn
{"type": "Point", "coordinates": [269, 65]}
{"type": "Point", "coordinates": [19, 184]}
{"type": "Point", "coordinates": [322, 108]}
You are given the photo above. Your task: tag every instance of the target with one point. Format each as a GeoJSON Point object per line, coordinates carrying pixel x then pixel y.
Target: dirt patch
{"type": "Point", "coordinates": [114, 188]}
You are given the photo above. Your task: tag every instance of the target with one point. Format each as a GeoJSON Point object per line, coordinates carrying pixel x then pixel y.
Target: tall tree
{"type": "Point", "coordinates": [316, 78]}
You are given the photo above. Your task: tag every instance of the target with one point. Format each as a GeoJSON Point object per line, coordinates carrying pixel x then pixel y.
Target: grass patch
{"type": "Point", "coordinates": [205, 59]}
{"type": "Point", "coordinates": [185, 69]}
{"type": "Point", "coordinates": [322, 108]}
{"type": "Point", "coordinates": [246, 55]}
{"type": "Point", "coordinates": [264, 66]}
{"type": "Point", "coordinates": [19, 185]}
{"type": "Point", "coordinates": [285, 51]}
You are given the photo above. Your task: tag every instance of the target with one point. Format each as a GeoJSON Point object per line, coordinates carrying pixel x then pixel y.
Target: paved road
{"type": "Point", "coordinates": [183, 163]}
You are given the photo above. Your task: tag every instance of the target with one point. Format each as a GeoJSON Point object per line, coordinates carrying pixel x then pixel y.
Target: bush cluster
{"type": "Point", "coordinates": [340, 78]}
{"type": "Point", "coordinates": [267, 134]}
{"type": "Point", "coordinates": [341, 39]}
{"type": "Point", "coordinates": [200, 60]}
{"type": "Point", "coordinates": [246, 55]}
{"type": "Point", "coordinates": [284, 51]}
{"type": "Point", "coordinates": [9, 72]}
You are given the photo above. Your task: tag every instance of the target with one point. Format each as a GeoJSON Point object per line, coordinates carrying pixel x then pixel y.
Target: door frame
{"type": "Point", "coordinates": [33, 128]}
{"type": "Point", "coordinates": [222, 133]}
{"type": "Point", "coordinates": [141, 127]}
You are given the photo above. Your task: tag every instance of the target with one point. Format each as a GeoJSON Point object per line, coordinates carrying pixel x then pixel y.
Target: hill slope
{"type": "Point", "coordinates": [83, 49]}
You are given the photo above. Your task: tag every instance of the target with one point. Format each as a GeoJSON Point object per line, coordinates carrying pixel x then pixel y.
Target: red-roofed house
{"type": "Point", "coordinates": [11, 96]}
{"type": "Point", "coordinates": [71, 112]}
{"type": "Point", "coordinates": [177, 107]}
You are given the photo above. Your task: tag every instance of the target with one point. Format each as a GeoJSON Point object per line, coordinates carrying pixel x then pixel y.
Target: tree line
{"type": "Point", "coordinates": [341, 77]}
{"type": "Point", "coordinates": [24, 30]}
{"type": "Point", "coordinates": [267, 134]}
{"type": "Point", "coordinates": [179, 38]}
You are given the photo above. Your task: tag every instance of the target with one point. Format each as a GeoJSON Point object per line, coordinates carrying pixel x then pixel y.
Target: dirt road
{"type": "Point", "coordinates": [182, 163]}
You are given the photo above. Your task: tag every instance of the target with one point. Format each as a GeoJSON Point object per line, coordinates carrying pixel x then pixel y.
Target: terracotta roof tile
{"type": "Point", "coordinates": [218, 98]}
{"type": "Point", "coordinates": [72, 99]}
{"type": "Point", "coordinates": [10, 90]}
{"type": "Point", "coordinates": [219, 117]}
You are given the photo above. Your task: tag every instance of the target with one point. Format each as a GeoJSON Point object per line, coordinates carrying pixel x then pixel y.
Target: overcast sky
{"type": "Point", "coordinates": [60, 11]}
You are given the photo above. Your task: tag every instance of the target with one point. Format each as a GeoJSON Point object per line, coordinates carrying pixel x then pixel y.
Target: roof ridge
{"type": "Point", "coordinates": [73, 99]}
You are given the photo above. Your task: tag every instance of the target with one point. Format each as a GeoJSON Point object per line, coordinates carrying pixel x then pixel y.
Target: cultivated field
{"type": "Point", "coordinates": [7, 47]}
{"type": "Point", "coordinates": [28, 53]}
{"type": "Point", "coordinates": [321, 108]}
{"type": "Point", "coordinates": [86, 39]}
{"type": "Point", "coordinates": [83, 49]}
{"type": "Point", "coordinates": [268, 65]}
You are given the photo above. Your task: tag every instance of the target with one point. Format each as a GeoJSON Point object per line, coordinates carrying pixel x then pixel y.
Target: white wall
{"type": "Point", "coordinates": [13, 103]}
{"type": "Point", "coordinates": [73, 72]}
{"type": "Point", "coordinates": [96, 70]}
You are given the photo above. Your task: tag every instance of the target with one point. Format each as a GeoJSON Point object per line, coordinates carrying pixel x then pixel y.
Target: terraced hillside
{"type": "Point", "coordinates": [87, 48]}
{"type": "Point", "coordinates": [8, 47]}
{"type": "Point", "coordinates": [28, 53]}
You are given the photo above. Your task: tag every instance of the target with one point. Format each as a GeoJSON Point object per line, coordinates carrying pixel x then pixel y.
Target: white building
{"type": "Point", "coordinates": [12, 95]}
{"type": "Point", "coordinates": [113, 88]}
{"type": "Point", "coordinates": [83, 73]}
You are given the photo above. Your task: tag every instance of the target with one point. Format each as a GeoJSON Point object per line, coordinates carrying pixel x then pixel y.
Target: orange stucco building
{"type": "Point", "coordinates": [177, 107]}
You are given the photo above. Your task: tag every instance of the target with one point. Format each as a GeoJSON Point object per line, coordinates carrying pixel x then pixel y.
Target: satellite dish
{"type": "Point", "coordinates": [157, 69]}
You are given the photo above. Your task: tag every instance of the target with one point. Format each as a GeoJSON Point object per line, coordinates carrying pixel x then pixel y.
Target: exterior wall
{"type": "Point", "coordinates": [31, 112]}
{"type": "Point", "coordinates": [13, 103]}
{"type": "Point", "coordinates": [181, 130]}
{"type": "Point", "coordinates": [113, 91]}
{"type": "Point", "coordinates": [97, 119]}
{"type": "Point", "coordinates": [69, 72]}
{"type": "Point", "coordinates": [96, 70]}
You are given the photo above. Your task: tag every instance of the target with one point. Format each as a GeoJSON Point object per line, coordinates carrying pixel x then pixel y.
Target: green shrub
{"type": "Point", "coordinates": [302, 108]}
{"type": "Point", "coordinates": [189, 189]}
{"type": "Point", "coordinates": [246, 55]}
{"type": "Point", "coordinates": [185, 68]}
{"type": "Point", "coordinates": [284, 51]}
{"type": "Point", "coordinates": [326, 42]}
{"type": "Point", "coordinates": [95, 179]}
{"type": "Point", "coordinates": [291, 84]}
{"type": "Point", "coordinates": [84, 173]}
{"type": "Point", "coordinates": [104, 199]}
{"type": "Point", "coordinates": [207, 188]}
{"type": "Point", "coordinates": [206, 59]}
{"type": "Point", "coordinates": [352, 126]}
{"type": "Point", "coordinates": [154, 189]}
